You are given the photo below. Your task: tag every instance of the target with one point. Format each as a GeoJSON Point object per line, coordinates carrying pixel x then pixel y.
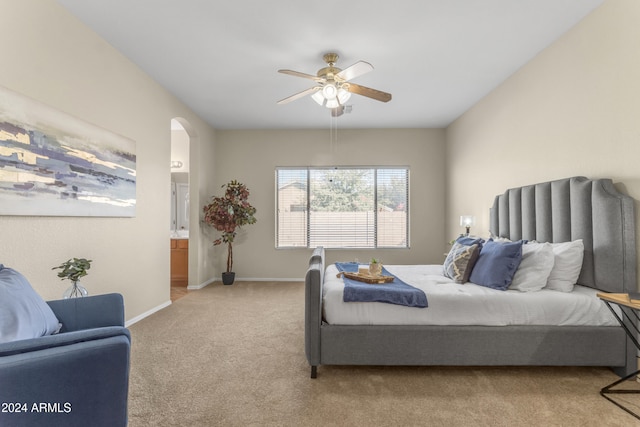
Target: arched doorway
{"type": "Point", "coordinates": [180, 209]}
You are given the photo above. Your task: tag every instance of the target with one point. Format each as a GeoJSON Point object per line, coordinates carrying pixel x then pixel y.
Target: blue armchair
{"type": "Point", "coordinates": [78, 377]}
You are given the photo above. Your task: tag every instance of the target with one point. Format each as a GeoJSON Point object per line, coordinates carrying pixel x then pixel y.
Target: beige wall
{"type": "Point", "coordinates": [51, 57]}
{"type": "Point", "coordinates": [573, 110]}
{"type": "Point", "coordinates": [252, 156]}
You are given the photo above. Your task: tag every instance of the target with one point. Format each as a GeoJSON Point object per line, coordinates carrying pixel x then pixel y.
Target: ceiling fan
{"type": "Point", "coordinates": [333, 86]}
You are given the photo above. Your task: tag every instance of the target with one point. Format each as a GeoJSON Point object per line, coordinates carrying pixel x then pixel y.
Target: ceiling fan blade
{"type": "Point", "coordinates": [338, 111]}
{"type": "Point", "coordinates": [378, 95]}
{"type": "Point", "coordinates": [299, 95]}
{"type": "Point", "coordinates": [355, 70]}
{"type": "Point", "coordinates": [299, 74]}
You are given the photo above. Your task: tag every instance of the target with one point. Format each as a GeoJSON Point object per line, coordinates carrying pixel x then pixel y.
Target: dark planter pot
{"type": "Point", "coordinates": [228, 278]}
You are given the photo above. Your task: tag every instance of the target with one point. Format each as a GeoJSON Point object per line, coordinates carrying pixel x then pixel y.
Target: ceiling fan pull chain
{"type": "Point", "coordinates": [333, 135]}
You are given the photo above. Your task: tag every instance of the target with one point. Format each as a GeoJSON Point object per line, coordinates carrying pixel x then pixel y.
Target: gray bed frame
{"type": "Point", "coordinates": [557, 211]}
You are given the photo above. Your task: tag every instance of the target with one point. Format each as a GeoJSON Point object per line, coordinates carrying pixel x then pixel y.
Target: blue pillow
{"type": "Point", "coordinates": [470, 241]}
{"type": "Point", "coordinates": [497, 264]}
{"type": "Point", "coordinates": [23, 313]}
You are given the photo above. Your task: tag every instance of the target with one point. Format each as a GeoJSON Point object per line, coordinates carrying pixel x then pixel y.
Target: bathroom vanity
{"type": "Point", "coordinates": [179, 262]}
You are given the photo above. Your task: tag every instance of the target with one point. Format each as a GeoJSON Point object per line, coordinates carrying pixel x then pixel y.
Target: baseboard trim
{"type": "Point", "coordinates": [201, 285]}
{"type": "Point", "coordinates": [263, 279]}
{"type": "Point", "coordinates": [147, 313]}
{"type": "Point", "coordinates": [244, 279]}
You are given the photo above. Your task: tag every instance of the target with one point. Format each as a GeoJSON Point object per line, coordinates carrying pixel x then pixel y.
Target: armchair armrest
{"type": "Point", "coordinates": [89, 312]}
{"type": "Point", "coordinates": [61, 340]}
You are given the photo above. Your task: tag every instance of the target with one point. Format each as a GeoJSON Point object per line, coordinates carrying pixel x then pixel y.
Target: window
{"type": "Point", "coordinates": [342, 207]}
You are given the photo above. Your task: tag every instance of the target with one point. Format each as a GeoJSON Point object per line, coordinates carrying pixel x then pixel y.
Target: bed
{"type": "Point", "coordinates": [565, 210]}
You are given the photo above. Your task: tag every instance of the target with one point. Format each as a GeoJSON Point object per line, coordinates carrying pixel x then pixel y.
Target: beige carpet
{"type": "Point", "coordinates": [234, 356]}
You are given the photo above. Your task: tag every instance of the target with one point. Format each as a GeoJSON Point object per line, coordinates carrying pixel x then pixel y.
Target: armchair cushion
{"type": "Point", "coordinates": [23, 313]}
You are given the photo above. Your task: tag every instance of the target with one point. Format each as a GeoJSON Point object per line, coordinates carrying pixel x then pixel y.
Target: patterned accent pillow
{"type": "Point", "coordinates": [460, 262]}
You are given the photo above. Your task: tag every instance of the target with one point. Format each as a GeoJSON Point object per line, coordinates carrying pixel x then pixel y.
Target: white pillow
{"type": "Point", "coordinates": [534, 270]}
{"type": "Point", "coordinates": [567, 265]}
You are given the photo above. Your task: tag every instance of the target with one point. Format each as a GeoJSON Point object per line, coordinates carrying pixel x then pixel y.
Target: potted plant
{"type": "Point", "coordinates": [227, 214]}
{"type": "Point", "coordinates": [73, 270]}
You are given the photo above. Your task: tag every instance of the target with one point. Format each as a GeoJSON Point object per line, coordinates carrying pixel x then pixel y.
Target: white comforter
{"type": "Point", "coordinates": [465, 304]}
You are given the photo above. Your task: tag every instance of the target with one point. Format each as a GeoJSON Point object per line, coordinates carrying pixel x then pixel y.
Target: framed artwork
{"type": "Point", "coordinates": [53, 164]}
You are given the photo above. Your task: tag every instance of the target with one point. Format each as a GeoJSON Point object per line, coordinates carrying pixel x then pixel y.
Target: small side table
{"type": "Point", "coordinates": [629, 310]}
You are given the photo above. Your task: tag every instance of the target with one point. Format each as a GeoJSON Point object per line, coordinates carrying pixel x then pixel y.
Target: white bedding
{"type": "Point", "coordinates": [465, 304]}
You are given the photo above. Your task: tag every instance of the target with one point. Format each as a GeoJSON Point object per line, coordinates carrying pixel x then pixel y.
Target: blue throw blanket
{"type": "Point", "coordinates": [396, 292]}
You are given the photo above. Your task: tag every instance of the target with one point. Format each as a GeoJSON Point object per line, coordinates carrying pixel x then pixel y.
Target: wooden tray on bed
{"type": "Point", "coordinates": [366, 278]}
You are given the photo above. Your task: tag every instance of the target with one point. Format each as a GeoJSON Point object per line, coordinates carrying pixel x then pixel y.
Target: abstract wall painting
{"type": "Point", "coordinates": [52, 164]}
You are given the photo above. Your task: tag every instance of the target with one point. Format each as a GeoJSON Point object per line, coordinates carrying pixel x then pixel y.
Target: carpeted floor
{"type": "Point", "coordinates": [234, 356]}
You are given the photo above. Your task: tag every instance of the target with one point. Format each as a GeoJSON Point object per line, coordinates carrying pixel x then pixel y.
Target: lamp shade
{"type": "Point", "coordinates": [467, 220]}
{"type": "Point", "coordinates": [318, 98]}
{"type": "Point", "coordinates": [329, 91]}
{"type": "Point", "coordinates": [343, 95]}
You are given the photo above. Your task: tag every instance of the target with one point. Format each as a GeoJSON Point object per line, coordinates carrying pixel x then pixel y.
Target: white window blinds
{"type": "Point", "coordinates": [362, 207]}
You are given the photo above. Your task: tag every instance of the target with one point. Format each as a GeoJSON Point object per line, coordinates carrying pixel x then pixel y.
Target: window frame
{"type": "Point", "coordinates": [308, 175]}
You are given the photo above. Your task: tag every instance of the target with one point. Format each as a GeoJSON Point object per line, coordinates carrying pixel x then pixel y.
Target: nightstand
{"type": "Point", "coordinates": [629, 309]}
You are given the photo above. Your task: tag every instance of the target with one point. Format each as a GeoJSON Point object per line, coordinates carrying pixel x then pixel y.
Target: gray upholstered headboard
{"type": "Point", "coordinates": [570, 209]}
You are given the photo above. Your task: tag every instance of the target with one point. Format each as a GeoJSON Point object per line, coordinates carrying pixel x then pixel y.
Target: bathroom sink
{"type": "Point", "coordinates": [180, 234]}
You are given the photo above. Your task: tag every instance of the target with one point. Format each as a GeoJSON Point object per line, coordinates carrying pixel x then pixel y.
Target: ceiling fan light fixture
{"type": "Point", "coordinates": [318, 98]}
{"type": "Point", "coordinates": [332, 103]}
{"type": "Point", "coordinates": [329, 91]}
{"type": "Point", "coordinates": [331, 96]}
{"type": "Point", "coordinates": [343, 95]}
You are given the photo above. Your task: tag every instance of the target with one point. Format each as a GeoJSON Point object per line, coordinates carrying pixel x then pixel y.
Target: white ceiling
{"type": "Point", "coordinates": [437, 57]}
